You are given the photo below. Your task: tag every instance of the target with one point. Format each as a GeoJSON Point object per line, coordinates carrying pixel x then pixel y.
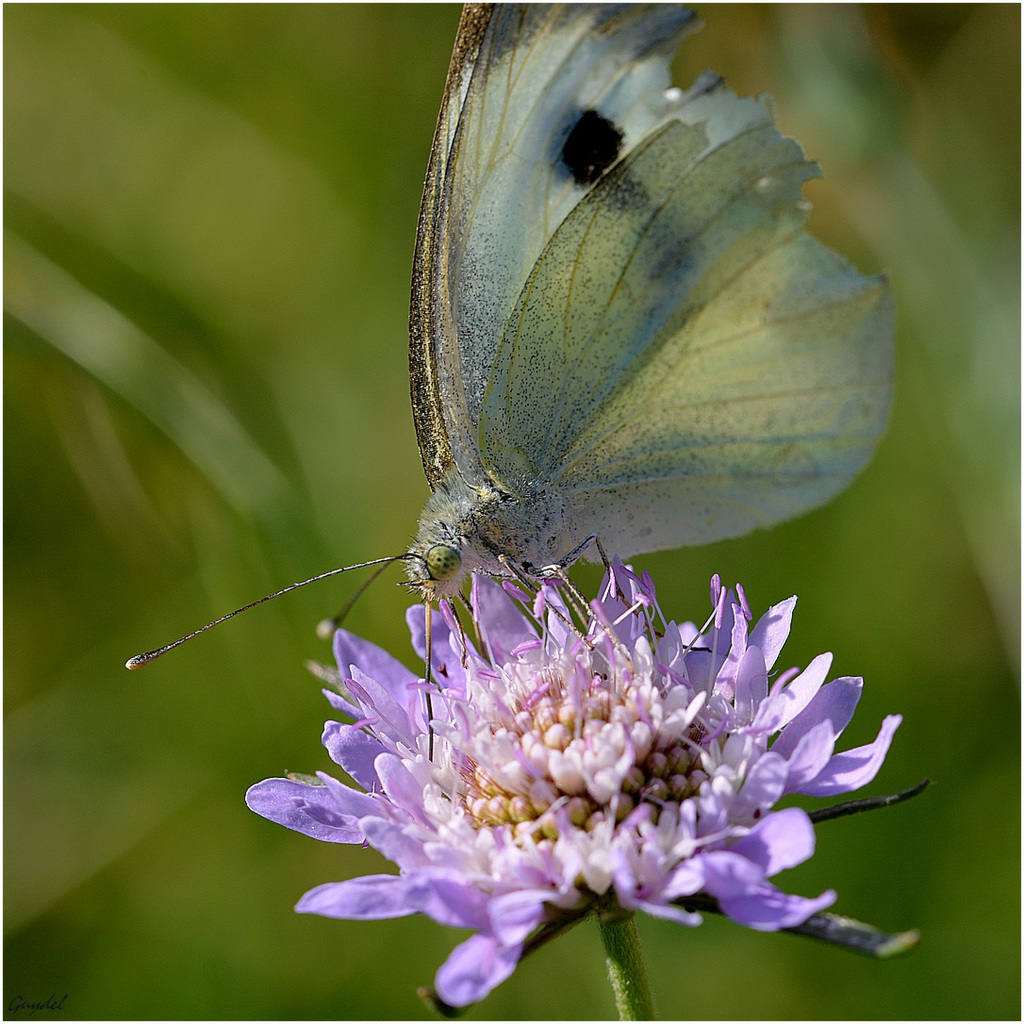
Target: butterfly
{"type": "Point", "coordinates": [621, 338]}
{"type": "Point", "coordinates": [620, 331]}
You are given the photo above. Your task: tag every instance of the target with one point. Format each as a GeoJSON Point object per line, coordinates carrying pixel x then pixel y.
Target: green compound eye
{"type": "Point", "coordinates": [443, 562]}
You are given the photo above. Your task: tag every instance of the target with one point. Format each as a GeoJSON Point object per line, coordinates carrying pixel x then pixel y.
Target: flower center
{"type": "Point", "coordinates": [579, 748]}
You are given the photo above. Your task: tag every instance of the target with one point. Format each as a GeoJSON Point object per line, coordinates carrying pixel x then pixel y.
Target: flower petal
{"type": "Point", "coordinates": [474, 968]}
{"type": "Point", "coordinates": [810, 757]}
{"type": "Point", "coordinates": [772, 630]}
{"type": "Point", "coordinates": [448, 898]}
{"type": "Point", "coordinates": [503, 627]}
{"type": "Point", "coordinates": [670, 912]}
{"type": "Point", "coordinates": [780, 841]}
{"type": "Point", "coordinates": [854, 768]}
{"type": "Point", "coordinates": [391, 839]}
{"type": "Point", "coordinates": [348, 800]}
{"type": "Point", "coordinates": [728, 874]}
{"type": "Point", "coordinates": [305, 808]}
{"type": "Point", "coordinates": [779, 709]}
{"type": "Point", "coordinates": [768, 909]}
{"type": "Point", "coordinates": [727, 674]}
{"type": "Point", "coordinates": [402, 788]}
{"type": "Point", "coordinates": [514, 915]}
{"type": "Point", "coordinates": [445, 659]}
{"type": "Point", "coordinates": [369, 898]}
{"type": "Point", "coordinates": [350, 650]}
{"type": "Point", "coordinates": [751, 685]}
{"type": "Point", "coordinates": [389, 717]}
{"type": "Point", "coordinates": [354, 750]}
{"type": "Point", "coordinates": [743, 895]}
{"type": "Point", "coordinates": [764, 785]}
{"type": "Point", "coordinates": [342, 704]}
{"type": "Point", "coordinates": [835, 703]}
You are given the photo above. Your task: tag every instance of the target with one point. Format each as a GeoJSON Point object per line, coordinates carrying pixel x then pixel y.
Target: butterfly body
{"type": "Point", "coordinates": [483, 525]}
{"type": "Point", "coordinates": [619, 326]}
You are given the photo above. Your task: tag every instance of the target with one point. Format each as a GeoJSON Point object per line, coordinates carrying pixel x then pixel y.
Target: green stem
{"type": "Point", "coordinates": [627, 971]}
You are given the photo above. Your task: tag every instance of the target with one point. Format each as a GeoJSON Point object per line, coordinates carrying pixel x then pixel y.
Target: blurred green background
{"type": "Point", "coordinates": [209, 223]}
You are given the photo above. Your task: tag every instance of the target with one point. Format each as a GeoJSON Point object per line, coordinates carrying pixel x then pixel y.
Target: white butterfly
{"type": "Point", "coordinates": [619, 328]}
{"type": "Point", "coordinates": [620, 332]}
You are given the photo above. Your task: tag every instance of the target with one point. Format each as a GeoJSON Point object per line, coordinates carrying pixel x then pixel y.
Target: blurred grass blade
{"type": "Point", "coordinates": [103, 342]}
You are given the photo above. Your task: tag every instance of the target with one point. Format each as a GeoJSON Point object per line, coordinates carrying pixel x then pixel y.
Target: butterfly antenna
{"type": "Point", "coordinates": [144, 659]}
{"type": "Point", "coordinates": [325, 627]}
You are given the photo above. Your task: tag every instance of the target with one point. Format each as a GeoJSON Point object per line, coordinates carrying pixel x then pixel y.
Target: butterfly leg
{"type": "Point", "coordinates": [529, 579]}
{"type": "Point", "coordinates": [558, 569]}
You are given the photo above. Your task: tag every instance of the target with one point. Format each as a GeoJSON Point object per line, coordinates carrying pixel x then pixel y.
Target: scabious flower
{"type": "Point", "coordinates": [635, 767]}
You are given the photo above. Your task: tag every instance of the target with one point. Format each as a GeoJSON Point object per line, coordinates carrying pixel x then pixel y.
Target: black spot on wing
{"type": "Point", "coordinates": [593, 145]}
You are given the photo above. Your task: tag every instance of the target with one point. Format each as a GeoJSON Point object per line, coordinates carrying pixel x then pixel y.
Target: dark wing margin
{"type": "Point", "coordinates": [427, 413]}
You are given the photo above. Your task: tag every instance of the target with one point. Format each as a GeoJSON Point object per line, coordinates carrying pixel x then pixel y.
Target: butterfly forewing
{"type": "Point", "coordinates": [498, 186]}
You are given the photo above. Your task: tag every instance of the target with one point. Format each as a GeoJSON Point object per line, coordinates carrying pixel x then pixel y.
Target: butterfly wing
{"type": "Point", "coordinates": [615, 303]}
{"type": "Point", "coordinates": [498, 185]}
{"type": "Point", "coordinates": [686, 363]}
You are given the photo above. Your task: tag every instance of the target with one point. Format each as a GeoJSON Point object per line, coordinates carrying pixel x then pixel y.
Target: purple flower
{"type": "Point", "coordinates": [636, 767]}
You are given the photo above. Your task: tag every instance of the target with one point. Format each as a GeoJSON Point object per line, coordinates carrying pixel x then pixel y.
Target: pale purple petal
{"type": "Point", "coordinates": [812, 753]}
{"type": "Point", "coordinates": [349, 801]}
{"type": "Point", "coordinates": [772, 630]}
{"type": "Point", "coordinates": [401, 787]}
{"type": "Point", "coordinates": [473, 969]}
{"type": "Point", "coordinates": [729, 874]}
{"type": "Point", "coordinates": [559, 635]}
{"type": "Point", "coordinates": [854, 768]}
{"type": "Point", "coordinates": [726, 682]}
{"type": "Point", "coordinates": [354, 750]}
{"type": "Point", "coordinates": [780, 841]}
{"type": "Point", "coordinates": [449, 898]}
{"type": "Point", "coordinates": [685, 879]}
{"type": "Point", "coordinates": [751, 685]}
{"type": "Point", "coordinates": [514, 915]}
{"type": "Point", "coordinates": [767, 909]}
{"type": "Point", "coordinates": [391, 839]}
{"type": "Point", "coordinates": [502, 626]}
{"type": "Point", "coordinates": [305, 808]}
{"type": "Point", "coordinates": [780, 708]}
{"type": "Point", "coordinates": [670, 912]}
{"type": "Point", "coordinates": [342, 704]}
{"type": "Point", "coordinates": [350, 650]}
{"type": "Point", "coordinates": [834, 703]}
{"type": "Point", "coordinates": [764, 785]}
{"type": "Point", "coordinates": [368, 898]}
{"type": "Point", "coordinates": [446, 666]}
{"type": "Point", "coordinates": [738, 885]}
{"type": "Point", "coordinates": [385, 713]}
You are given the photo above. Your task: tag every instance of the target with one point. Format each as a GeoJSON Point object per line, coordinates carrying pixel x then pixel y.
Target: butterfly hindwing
{"type": "Point", "coordinates": [685, 362]}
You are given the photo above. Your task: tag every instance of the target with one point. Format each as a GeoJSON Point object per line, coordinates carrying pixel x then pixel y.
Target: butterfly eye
{"type": "Point", "coordinates": [443, 562]}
